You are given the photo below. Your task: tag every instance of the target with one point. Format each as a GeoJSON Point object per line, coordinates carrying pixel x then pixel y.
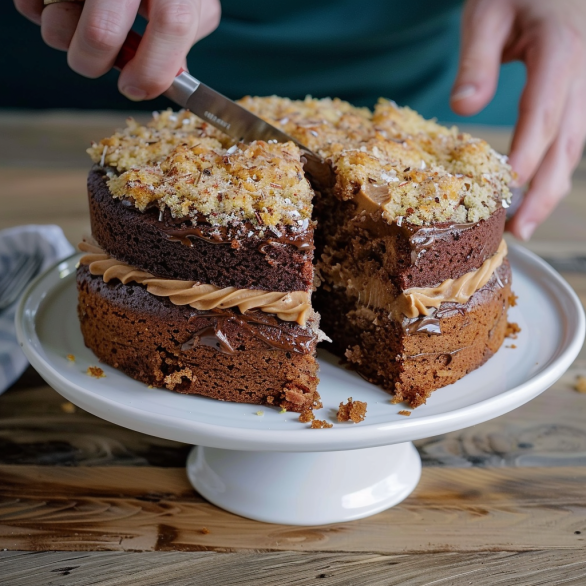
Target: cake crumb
{"type": "Point", "coordinates": [95, 371]}
{"type": "Point", "coordinates": [354, 411]}
{"type": "Point", "coordinates": [260, 413]}
{"type": "Point", "coordinates": [511, 346]}
{"type": "Point", "coordinates": [71, 358]}
{"type": "Point", "coordinates": [513, 299]}
{"type": "Point", "coordinates": [283, 410]}
{"type": "Point", "coordinates": [68, 407]}
{"type": "Point", "coordinates": [205, 531]}
{"type": "Point", "coordinates": [150, 387]}
{"type": "Point", "coordinates": [320, 424]}
{"type": "Point", "coordinates": [580, 385]}
{"type": "Point", "coordinates": [174, 379]}
{"type": "Point", "coordinates": [405, 412]}
{"type": "Point", "coordinates": [306, 416]}
{"type": "Point", "coordinates": [512, 330]}
{"type": "Point", "coordinates": [317, 404]}
{"type": "Point", "coordinates": [295, 393]}
{"type": "Point", "coordinates": [354, 354]}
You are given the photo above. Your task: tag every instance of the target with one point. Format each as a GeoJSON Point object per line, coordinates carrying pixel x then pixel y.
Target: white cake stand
{"type": "Point", "coordinates": [268, 466]}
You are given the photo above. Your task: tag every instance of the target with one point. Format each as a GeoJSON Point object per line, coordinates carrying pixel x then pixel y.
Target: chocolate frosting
{"type": "Point", "coordinates": [293, 306]}
{"type": "Point", "coordinates": [262, 327]}
{"type": "Point", "coordinates": [418, 300]}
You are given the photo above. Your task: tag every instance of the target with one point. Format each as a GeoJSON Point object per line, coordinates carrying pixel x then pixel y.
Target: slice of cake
{"type": "Point", "coordinates": [414, 280]}
{"type": "Point", "coordinates": [199, 278]}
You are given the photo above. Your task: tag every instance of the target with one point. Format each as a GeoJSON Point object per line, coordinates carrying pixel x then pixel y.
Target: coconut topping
{"type": "Point", "coordinates": [416, 170]}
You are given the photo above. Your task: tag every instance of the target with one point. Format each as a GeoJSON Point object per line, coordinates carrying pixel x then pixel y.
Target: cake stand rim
{"type": "Point", "coordinates": [339, 438]}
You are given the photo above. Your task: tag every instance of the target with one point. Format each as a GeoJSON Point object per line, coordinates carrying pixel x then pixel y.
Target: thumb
{"type": "Point", "coordinates": [486, 26]}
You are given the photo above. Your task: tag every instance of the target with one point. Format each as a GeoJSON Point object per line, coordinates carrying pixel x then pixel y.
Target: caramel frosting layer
{"type": "Point", "coordinates": [417, 301]}
{"type": "Point", "coordinates": [291, 306]}
{"type": "Point", "coordinates": [372, 292]}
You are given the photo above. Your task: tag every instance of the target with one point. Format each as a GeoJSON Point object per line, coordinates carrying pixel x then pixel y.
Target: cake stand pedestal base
{"type": "Point", "coordinates": [305, 488]}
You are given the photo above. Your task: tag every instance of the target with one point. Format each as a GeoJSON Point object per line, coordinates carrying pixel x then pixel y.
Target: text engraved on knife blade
{"type": "Point", "coordinates": [214, 118]}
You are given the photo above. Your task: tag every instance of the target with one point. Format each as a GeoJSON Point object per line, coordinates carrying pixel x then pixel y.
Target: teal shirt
{"type": "Point", "coordinates": [358, 51]}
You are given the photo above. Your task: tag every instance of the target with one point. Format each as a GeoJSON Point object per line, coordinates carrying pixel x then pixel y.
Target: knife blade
{"type": "Point", "coordinates": [226, 115]}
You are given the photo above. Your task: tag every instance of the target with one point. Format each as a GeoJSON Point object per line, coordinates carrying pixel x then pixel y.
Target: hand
{"type": "Point", "coordinates": [550, 38]}
{"type": "Point", "coordinates": [92, 33]}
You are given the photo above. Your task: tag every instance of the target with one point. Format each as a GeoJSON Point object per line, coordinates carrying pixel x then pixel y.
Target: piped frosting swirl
{"type": "Point", "coordinates": [418, 300]}
{"type": "Point", "coordinates": [289, 306]}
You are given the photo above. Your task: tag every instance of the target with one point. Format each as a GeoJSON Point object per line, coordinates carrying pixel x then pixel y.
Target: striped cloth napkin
{"type": "Point", "coordinates": [48, 241]}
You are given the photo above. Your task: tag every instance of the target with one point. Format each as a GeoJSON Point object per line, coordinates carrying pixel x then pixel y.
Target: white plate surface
{"type": "Point", "coordinates": [552, 332]}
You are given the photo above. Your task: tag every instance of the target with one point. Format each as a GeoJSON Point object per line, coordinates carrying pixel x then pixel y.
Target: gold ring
{"type": "Point", "coordinates": [47, 2]}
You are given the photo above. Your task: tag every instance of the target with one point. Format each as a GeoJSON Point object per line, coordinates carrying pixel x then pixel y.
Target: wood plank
{"type": "Point", "coordinates": [55, 138]}
{"type": "Point", "coordinates": [35, 429]}
{"type": "Point", "coordinates": [154, 509]}
{"type": "Point", "coordinates": [547, 568]}
{"type": "Point", "coordinates": [46, 196]}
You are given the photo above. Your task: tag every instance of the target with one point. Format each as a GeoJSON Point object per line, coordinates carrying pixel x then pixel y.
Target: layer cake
{"type": "Point", "coordinates": [201, 270]}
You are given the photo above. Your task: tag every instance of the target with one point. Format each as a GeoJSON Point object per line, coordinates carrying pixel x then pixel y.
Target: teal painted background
{"type": "Point", "coordinates": [356, 50]}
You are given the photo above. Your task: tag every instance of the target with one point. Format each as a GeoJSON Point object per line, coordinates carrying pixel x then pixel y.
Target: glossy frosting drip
{"type": "Point", "coordinates": [292, 306]}
{"type": "Point", "coordinates": [263, 327]}
{"type": "Point", "coordinates": [418, 300]}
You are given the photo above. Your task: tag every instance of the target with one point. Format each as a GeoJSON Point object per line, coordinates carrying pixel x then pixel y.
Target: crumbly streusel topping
{"type": "Point", "coordinates": [420, 170]}
{"type": "Point", "coordinates": [261, 183]}
{"type": "Point", "coordinates": [140, 145]}
{"type": "Point", "coordinates": [424, 172]}
{"type": "Point", "coordinates": [325, 126]}
{"type": "Point", "coordinates": [415, 170]}
{"type": "Point", "coordinates": [177, 162]}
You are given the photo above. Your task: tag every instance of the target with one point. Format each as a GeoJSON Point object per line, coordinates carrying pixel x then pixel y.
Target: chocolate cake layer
{"type": "Point", "coordinates": [401, 256]}
{"type": "Point", "coordinates": [412, 363]}
{"type": "Point", "coordinates": [251, 358]}
{"type": "Point", "coordinates": [184, 252]}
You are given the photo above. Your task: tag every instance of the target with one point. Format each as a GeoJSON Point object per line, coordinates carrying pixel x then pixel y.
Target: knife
{"type": "Point", "coordinates": [226, 115]}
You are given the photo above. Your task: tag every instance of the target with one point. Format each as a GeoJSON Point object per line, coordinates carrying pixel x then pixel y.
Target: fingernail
{"type": "Point", "coordinates": [463, 91]}
{"type": "Point", "coordinates": [526, 230]}
{"type": "Point", "coordinates": [133, 93]}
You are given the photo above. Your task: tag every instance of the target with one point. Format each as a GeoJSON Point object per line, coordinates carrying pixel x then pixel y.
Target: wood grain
{"type": "Point", "coordinates": [547, 568]}
{"type": "Point", "coordinates": [155, 509]}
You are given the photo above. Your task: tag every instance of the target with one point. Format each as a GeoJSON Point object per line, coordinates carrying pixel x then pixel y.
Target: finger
{"type": "Point", "coordinates": [102, 29]}
{"type": "Point", "coordinates": [170, 33]}
{"type": "Point", "coordinates": [58, 24]}
{"type": "Point", "coordinates": [209, 17]}
{"type": "Point", "coordinates": [486, 24]}
{"type": "Point", "coordinates": [551, 62]}
{"type": "Point", "coordinates": [31, 9]}
{"type": "Point", "coordinates": [553, 178]}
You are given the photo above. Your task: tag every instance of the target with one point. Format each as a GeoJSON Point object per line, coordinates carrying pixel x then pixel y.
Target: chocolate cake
{"type": "Point", "coordinates": [199, 278]}
{"type": "Point", "coordinates": [207, 257]}
{"type": "Point", "coordinates": [414, 284]}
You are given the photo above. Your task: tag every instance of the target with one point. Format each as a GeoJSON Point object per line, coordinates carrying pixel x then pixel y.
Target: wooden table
{"type": "Point", "coordinates": [83, 501]}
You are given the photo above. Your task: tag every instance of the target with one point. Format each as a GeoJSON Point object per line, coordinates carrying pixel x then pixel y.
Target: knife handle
{"type": "Point", "coordinates": [128, 51]}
